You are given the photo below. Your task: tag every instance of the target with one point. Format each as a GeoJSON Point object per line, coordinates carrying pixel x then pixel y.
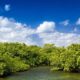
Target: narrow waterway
{"type": "Point", "coordinates": [43, 73]}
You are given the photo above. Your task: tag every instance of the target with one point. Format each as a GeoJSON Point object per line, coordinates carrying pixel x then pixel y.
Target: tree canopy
{"type": "Point", "coordinates": [15, 57]}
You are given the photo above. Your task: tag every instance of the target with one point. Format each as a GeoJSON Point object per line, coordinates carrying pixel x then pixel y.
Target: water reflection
{"type": "Point", "coordinates": [43, 73]}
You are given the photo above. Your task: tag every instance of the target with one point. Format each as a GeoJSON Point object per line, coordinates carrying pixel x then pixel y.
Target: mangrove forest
{"type": "Point", "coordinates": [19, 57]}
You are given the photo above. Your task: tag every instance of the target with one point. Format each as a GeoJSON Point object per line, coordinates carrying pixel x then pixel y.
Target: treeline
{"type": "Point", "coordinates": [15, 57]}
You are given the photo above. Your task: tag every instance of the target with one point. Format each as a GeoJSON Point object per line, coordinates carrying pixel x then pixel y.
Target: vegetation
{"type": "Point", "coordinates": [15, 57]}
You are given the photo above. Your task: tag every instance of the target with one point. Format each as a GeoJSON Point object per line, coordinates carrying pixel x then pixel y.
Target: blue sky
{"type": "Point", "coordinates": [36, 11]}
{"type": "Point", "coordinates": [49, 17]}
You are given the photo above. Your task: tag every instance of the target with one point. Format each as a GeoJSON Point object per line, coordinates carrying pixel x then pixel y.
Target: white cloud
{"type": "Point", "coordinates": [60, 39]}
{"type": "Point", "coordinates": [7, 7]}
{"type": "Point", "coordinates": [46, 26]}
{"type": "Point", "coordinates": [78, 22]}
{"type": "Point", "coordinates": [65, 23]}
{"type": "Point", "coordinates": [12, 31]}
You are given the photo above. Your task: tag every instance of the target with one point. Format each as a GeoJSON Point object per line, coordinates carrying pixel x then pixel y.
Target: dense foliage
{"type": "Point", "coordinates": [15, 57]}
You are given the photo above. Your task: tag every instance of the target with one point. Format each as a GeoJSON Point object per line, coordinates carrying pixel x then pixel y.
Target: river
{"type": "Point", "coordinates": [43, 73]}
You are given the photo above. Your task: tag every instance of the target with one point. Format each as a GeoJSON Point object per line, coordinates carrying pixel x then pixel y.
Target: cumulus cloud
{"type": "Point", "coordinates": [7, 7]}
{"type": "Point", "coordinates": [46, 27]}
{"type": "Point", "coordinates": [60, 39]}
{"type": "Point", "coordinates": [65, 23]}
{"type": "Point", "coordinates": [13, 31]}
{"type": "Point", "coordinates": [78, 22]}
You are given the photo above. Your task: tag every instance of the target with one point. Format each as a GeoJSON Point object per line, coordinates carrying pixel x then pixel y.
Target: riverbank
{"type": "Point", "coordinates": [43, 73]}
{"type": "Point", "coordinates": [16, 57]}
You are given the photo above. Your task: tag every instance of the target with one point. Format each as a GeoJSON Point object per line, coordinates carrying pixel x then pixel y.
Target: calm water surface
{"type": "Point", "coordinates": [43, 73]}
